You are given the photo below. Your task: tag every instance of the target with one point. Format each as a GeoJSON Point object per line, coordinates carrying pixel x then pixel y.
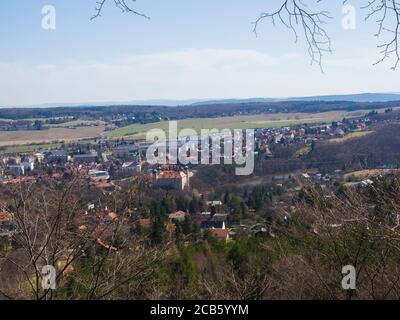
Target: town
{"type": "Point", "coordinates": [109, 166]}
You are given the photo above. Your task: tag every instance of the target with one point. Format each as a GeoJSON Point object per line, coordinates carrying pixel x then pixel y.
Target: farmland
{"type": "Point", "coordinates": [79, 129]}
{"type": "Point", "coordinates": [14, 138]}
{"type": "Point", "coordinates": [29, 148]}
{"type": "Point", "coordinates": [138, 131]}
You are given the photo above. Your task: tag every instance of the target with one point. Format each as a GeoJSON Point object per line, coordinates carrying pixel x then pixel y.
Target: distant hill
{"type": "Point", "coordinates": [362, 97]}
{"type": "Point", "coordinates": [235, 101]}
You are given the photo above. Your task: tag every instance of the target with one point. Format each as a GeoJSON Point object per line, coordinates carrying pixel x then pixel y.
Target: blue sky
{"type": "Point", "coordinates": [189, 49]}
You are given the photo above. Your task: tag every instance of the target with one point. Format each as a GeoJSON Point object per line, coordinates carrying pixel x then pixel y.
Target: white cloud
{"type": "Point", "coordinates": [187, 74]}
{"type": "Point", "coordinates": [179, 74]}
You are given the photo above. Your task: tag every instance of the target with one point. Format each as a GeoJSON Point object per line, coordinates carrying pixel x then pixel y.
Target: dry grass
{"type": "Point", "coordinates": [353, 135]}
{"type": "Point", "coordinates": [13, 138]}
{"type": "Point", "coordinates": [363, 174]}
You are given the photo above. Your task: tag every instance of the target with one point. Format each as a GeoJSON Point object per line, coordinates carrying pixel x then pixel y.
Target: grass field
{"type": "Point", "coordinates": [138, 131]}
{"type": "Point", "coordinates": [352, 135]}
{"type": "Point", "coordinates": [363, 174]}
{"type": "Point", "coordinates": [77, 123]}
{"type": "Point", "coordinates": [30, 148]}
{"type": "Point", "coordinates": [15, 138]}
{"type": "Point", "coordinates": [91, 129]}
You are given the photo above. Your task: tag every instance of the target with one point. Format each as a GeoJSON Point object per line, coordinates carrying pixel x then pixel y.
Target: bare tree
{"type": "Point", "coordinates": [299, 17]}
{"type": "Point", "coordinates": [93, 253]}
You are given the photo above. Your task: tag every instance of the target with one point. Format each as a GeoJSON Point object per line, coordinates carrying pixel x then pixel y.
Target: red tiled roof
{"type": "Point", "coordinates": [219, 233]}
{"type": "Point", "coordinates": [112, 215]}
{"type": "Point", "coordinates": [170, 227]}
{"type": "Point", "coordinates": [144, 222]}
{"type": "Point", "coordinates": [177, 215]}
{"type": "Point", "coordinates": [102, 184]}
{"type": "Point", "coordinates": [82, 227]}
{"type": "Point", "coordinates": [5, 216]}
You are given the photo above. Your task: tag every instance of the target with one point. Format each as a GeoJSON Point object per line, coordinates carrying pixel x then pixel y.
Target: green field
{"type": "Point", "coordinates": [29, 148]}
{"type": "Point", "coordinates": [138, 131]}
{"type": "Point", "coordinates": [77, 123]}
{"type": "Point", "coordinates": [267, 120]}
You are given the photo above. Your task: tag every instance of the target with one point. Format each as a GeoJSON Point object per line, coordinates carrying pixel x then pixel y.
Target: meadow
{"type": "Point", "coordinates": [138, 131]}
{"type": "Point", "coordinates": [22, 137]}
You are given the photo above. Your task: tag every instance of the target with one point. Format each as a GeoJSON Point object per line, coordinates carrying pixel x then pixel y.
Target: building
{"type": "Point", "coordinates": [205, 225]}
{"type": "Point", "coordinates": [178, 216]}
{"type": "Point", "coordinates": [124, 151]}
{"type": "Point", "coordinates": [220, 216]}
{"type": "Point", "coordinates": [59, 156]}
{"type": "Point", "coordinates": [105, 186]}
{"type": "Point", "coordinates": [97, 175]}
{"type": "Point", "coordinates": [145, 223]}
{"type": "Point", "coordinates": [16, 170]}
{"type": "Point", "coordinates": [132, 167]}
{"type": "Point", "coordinates": [175, 180]}
{"type": "Point", "coordinates": [214, 203]}
{"type": "Point", "coordinates": [85, 158]}
{"type": "Point", "coordinates": [28, 165]}
{"type": "Point", "coordinates": [7, 226]}
{"type": "Point", "coordinates": [220, 234]}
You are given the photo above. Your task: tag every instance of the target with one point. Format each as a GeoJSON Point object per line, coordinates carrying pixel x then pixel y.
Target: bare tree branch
{"type": "Point", "coordinates": [295, 15]}
{"type": "Point", "coordinates": [388, 12]}
{"type": "Point", "coordinates": [298, 17]}
{"type": "Point", "coordinates": [120, 4]}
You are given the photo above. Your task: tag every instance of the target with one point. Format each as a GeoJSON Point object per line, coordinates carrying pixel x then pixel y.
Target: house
{"type": "Point", "coordinates": [110, 217]}
{"type": "Point", "coordinates": [85, 158]}
{"type": "Point", "coordinates": [220, 217]}
{"type": "Point", "coordinates": [5, 217]}
{"type": "Point", "coordinates": [178, 216]}
{"type": "Point", "coordinates": [175, 180]}
{"type": "Point", "coordinates": [132, 167]}
{"type": "Point", "coordinates": [205, 225]}
{"type": "Point", "coordinates": [339, 132]}
{"type": "Point", "coordinates": [28, 165]}
{"type": "Point", "coordinates": [170, 227]}
{"type": "Point", "coordinates": [59, 156]}
{"type": "Point", "coordinates": [7, 226]}
{"type": "Point", "coordinates": [123, 152]}
{"type": "Point", "coordinates": [16, 170]}
{"type": "Point", "coordinates": [366, 183]}
{"type": "Point", "coordinates": [39, 157]}
{"type": "Point", "coordinates": [105, 186]}
{"type": "Point", "coordinates": [98, 175]}
{"type": "Point", "coordinates": [144, 223]}
{"type": "Point", "coordinates": [214, 203]}
{"type": "Point", "coordinates": [206, 214]}
{"type": "Point", "coordinates": [219, 234]}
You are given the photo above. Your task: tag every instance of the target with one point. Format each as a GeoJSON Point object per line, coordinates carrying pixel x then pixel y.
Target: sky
{"type": "Point", "coordinates": [187, 50]}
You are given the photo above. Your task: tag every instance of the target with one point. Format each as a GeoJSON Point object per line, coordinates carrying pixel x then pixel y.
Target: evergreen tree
{"type": "Point", "coordinates": [157, 233]}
